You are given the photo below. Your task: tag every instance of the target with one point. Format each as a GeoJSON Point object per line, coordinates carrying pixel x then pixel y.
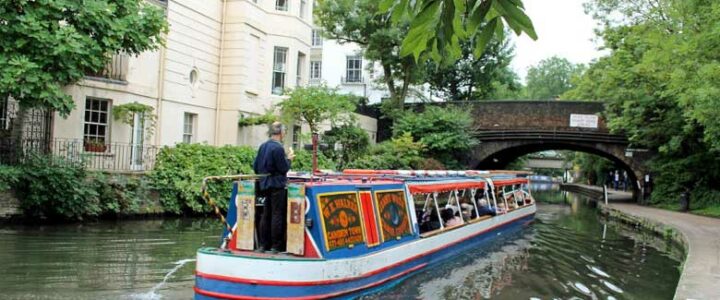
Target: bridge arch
{"type": "Point", "coordinates": [495, 155]}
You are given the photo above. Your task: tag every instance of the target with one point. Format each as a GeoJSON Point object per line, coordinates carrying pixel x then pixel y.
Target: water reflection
{"type": "Point", "coordinates": [109, 260]}
{"type": "Point", "coordinates": [568, 253]}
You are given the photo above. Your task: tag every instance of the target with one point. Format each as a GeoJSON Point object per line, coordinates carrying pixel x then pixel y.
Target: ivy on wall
{"type": "Point", "coordinates": [265, 119]}
{"type": "Point", "coordinates": [126, 113]}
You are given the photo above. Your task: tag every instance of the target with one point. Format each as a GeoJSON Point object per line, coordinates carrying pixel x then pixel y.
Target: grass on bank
{"type": "Point", "coordinates": [709, 211]}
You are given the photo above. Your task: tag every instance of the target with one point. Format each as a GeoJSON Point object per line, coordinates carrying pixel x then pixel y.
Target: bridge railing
{"type": "Point", "coordinates": [580, 136]}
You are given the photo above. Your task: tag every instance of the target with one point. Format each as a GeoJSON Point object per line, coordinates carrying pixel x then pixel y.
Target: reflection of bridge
{"type": "Point", "coordinates": [508, 130]}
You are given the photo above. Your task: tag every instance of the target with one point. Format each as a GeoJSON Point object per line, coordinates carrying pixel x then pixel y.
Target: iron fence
{"type": "Point", "coordinates": [124, 157]}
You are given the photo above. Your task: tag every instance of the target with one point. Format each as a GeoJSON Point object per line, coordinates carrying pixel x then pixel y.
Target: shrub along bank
{"type": "Point", "coordinates": [52, 188]}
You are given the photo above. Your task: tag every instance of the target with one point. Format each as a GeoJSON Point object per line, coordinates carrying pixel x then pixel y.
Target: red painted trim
{"type": "Point", "coordinates": [368, 213]}
{"type": "Point", "coordinates": [323, 296]}
{"type": "Point", "coordinates": [444, 187]}
{"type": "Point", "coordinates": [333, 281]}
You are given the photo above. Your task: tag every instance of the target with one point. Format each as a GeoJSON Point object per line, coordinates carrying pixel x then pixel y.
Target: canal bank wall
{"type": "Point", "coordinates": [699, 236]}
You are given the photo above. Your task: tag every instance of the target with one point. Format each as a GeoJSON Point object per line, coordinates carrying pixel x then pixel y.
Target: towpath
{"type": "Point", "coordinates": [700, 278]}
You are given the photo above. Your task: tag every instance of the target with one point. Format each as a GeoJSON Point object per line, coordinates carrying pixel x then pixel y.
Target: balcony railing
{"type": "Point", "coordinates": [352, 80]}
{"type": "Point", "coordinates": [116, 69]}
{"type": "Point", "coordinates": [94, 156]}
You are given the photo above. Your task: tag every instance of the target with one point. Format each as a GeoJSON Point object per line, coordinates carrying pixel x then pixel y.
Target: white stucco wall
{"type": "Point", "coordinates": [234, 65]}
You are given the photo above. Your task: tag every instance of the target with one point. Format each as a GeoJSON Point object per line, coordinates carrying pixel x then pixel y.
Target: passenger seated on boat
{"type": "Point", "coordinates": [429, 221]}
{"type": "Point", "coordinates": [484, 209]}
{"type": "Point", "coordinates": [468, 211]}
{"type": "Point", "coordinates": [501, 208]}
{"type": "Point", "coordinates": [450, 217]}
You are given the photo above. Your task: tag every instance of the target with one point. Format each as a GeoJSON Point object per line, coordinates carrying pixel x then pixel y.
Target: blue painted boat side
{"type": "Point", "coordinates": [358, 249]}
{"type": "Point", "coordinates": [354, 288]}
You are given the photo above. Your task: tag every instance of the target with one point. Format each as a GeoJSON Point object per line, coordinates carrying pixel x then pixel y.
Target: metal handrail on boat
{"type": "Point", "coordinates": [211, 201]}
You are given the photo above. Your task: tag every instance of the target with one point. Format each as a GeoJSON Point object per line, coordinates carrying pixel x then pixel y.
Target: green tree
{"type": "Point", "coordinates": [354, 141]}
{"type": "Point", "coordinates": [550, 78]}
{"type": "Point", "coordinates": [46, 45]}
{"type": "Point", "coordinates": [317, 104]}
{"type": "Point", "coordinates": [438, 26]}
{"type": "Point", "coordinates": [473, 77]}
{"type": "Point", "coordinates": [661, 82]}
{"type": "Point", "coordinates": [362, 22]}
{"type": "Point", "coordinates": [446, 132]}
{"type": "Point", "coordinates": [399, 153]}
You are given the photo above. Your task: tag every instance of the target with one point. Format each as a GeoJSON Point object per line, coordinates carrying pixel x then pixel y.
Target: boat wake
{"type": "Point", "coordinates": [152, 294]}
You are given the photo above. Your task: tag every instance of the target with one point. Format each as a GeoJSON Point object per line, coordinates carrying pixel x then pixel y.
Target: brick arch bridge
{"type": "Point", "coordinates": [508, 130]}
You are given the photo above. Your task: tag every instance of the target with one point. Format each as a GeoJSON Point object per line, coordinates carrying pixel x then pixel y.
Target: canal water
{"type": "Point", "coordinates": [569, 252]}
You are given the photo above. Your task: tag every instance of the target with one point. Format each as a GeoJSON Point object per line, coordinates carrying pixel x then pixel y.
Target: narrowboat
{"type": "Point", "coordinates": [359, 231]}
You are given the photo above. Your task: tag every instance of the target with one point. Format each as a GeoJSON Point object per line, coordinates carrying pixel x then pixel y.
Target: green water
{"type": "Point", "coordinates": [567, 253]}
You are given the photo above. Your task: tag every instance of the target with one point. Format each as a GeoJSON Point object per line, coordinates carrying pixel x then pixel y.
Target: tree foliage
{"type": "Point", "coordinates": [46, 45]}
{"type": "Point", "coordinates": [179, 171]}
{"type": "Point", "coordinates": [473, 77]}
{"type": "Point", "coordinates": [317, 104]}
{"type": "Point", "coordinates": [399, 153]}
{"type": "Point", "coordinates": [661, 82]}
{"type": "Point", "coordinates": [446, 132]}
{"type": "Point", "coordinates": [354, 141]}
{"type": "Point", "coordinates": [437, 27]}
{"type": "Point", "coordinates": [362, 22]}
{"type": "Point", "coordinates": [550, 78]}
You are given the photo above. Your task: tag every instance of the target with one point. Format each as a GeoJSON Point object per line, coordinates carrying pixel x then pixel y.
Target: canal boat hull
{"type": "Point", "coordinates": [223, 274]}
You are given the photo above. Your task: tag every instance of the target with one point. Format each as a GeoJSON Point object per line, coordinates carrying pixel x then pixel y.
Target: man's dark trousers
{"type": "Point", "coordinates": [272, 224]}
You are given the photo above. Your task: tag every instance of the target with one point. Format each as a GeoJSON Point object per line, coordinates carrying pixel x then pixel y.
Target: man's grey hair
{"type": "Point", "coordinates": [276, 128]}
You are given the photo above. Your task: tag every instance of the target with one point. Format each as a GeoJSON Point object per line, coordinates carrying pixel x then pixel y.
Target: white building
{"type": "Point", "coordinates": [223, 59]}
{"type": "Point", "coordinates": [342, 65]}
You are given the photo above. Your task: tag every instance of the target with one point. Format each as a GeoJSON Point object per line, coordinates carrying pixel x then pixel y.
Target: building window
{"type": "Point", "coordinates": [189, 124]}
{"type": "Point", "coordinates": [317, 38]}
{"type": "Point", "coordinates": [353, 69]}
{"type": "Point", "coordinates": [297, 131]}
{"type": "Point", "coordinates": [303, 6]}
{"type": "Point", "coordinates": [300, 70]}
{"type": "Point", "coordinates": [315, 70]}
{"type": "Point", "coordinates": [281, 5]}
{"type": "Point", "coordinates": [96, 134]}
{"type": "Point", "coordinates": [279, 67]}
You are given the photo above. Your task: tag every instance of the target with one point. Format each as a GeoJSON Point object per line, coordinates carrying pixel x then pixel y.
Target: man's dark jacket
{"type": "Point", "coordinates": [271, 160]}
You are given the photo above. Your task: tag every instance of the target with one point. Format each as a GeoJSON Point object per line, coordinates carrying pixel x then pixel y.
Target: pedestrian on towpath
{"type": "Point", "coordinates": [616, 180]}
{"type": "Point", "coordinates": [272, 161]}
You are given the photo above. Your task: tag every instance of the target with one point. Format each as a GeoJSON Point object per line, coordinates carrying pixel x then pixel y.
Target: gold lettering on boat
{"type": "Point", "coordinates": [341, 219]}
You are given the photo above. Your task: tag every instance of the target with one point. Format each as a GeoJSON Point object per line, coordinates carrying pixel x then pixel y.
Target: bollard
{"type": "Point", "coordinates": [605, 193]}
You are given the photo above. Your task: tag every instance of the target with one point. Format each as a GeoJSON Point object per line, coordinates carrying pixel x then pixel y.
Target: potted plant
{"type": "Point", "coordinates": [94, 146]}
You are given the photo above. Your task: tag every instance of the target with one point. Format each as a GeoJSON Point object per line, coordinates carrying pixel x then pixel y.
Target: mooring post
{"type": "Point", "coordinates": [605, 193]}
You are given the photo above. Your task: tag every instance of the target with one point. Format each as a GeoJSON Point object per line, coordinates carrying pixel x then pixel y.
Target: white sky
{"type": "Point", "coordinates": [563, 29]}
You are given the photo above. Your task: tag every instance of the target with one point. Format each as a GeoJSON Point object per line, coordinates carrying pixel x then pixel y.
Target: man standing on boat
{"type": "Point", "coordinates": [272, 162]}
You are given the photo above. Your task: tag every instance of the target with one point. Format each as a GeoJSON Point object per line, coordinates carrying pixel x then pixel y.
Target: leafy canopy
{"type": "Point", "coordinates": [399, 153]}
{"type": "Point", "coordinates": [363, 23]}
{"type": "Point", "coordinates": [474, 77]}
{"type": "Point", "coordinates": [661, 83]}
{"type": "Point", "coordinates": [317, 104]}
{"type": "Point", "coordinates": [438, 26]}
{"type": "Point", "coordinates": [49, 44]}
{"type": "Point", "coordinates": [354, 141]}
{"type": "Point", "coordinates": [551, 77]}
{"type": "Point", "coordinates": [446, 132]}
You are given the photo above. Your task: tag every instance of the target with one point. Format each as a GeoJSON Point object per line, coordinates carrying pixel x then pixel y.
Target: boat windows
{"type": "Point", "coordinates": [446, 210]}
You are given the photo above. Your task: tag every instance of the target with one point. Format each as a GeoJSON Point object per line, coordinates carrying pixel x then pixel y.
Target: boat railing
{"type": "Point", "coordinates": [212, 202]}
